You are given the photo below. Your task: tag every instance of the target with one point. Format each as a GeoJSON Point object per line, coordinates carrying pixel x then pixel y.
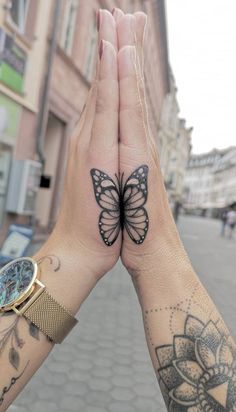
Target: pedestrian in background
{"type": "Point", "coordinates": [231, 222]}
{"type": "Point", "coordinates": [177, 208]}
{"type": "Point", "coordinates": [223, 217]}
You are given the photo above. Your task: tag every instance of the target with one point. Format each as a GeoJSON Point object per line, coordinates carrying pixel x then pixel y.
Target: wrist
{"type": "Point", "coordinates": [158, 252]}
{"type": "Point", "coordinates": [65, 274]}
{"type": "Point", "coordinates": [164, 276]}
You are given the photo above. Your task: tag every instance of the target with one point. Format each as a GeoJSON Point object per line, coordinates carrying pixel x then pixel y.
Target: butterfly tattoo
{"type": "Point", "coordinates": [122, 204]}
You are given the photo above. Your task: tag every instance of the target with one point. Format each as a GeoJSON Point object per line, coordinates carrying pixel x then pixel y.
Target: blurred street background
{"type": "Point", "coordinates": [47, 61]}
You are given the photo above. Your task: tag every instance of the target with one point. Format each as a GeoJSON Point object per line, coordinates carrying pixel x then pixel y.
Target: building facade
{"type": "Point", "coordinates": [174, 144]}
{"type": "Point", "coordinates": [224, 186]}
{"type": "Point", "coordinates": [210, 182]}
{"type": "Point", "coordinates": [179, 161]}
{"type": "Point", "coordinates": [22, 34]}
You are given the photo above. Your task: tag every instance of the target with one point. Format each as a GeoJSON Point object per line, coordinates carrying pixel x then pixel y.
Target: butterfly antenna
{"type": "Point", "coordinates": [121, 181]}
{"type": "Point", "coordinates": [118, 180]}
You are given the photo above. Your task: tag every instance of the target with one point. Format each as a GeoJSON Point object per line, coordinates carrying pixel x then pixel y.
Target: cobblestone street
{"type": "Point", "coordinates": [104, 365]}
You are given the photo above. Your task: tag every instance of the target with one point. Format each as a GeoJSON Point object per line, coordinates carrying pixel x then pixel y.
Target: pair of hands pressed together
{"type": "Point", "coordinates": [113, 135]}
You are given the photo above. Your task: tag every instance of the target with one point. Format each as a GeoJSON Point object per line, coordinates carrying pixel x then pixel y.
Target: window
{"type": "Point", "coordinates": [69, 25]}
{"type": "Point", "coordinates": [18, 12]}
{"type": "Point", "coordinates": [5, 164]}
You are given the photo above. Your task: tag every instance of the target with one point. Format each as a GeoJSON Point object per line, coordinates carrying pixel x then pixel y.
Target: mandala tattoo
{"type": "Point", "coordinates": [198, 370]}
{"type": "Point", "coordinates": [122, 205]}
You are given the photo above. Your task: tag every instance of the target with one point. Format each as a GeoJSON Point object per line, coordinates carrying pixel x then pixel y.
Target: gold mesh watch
{"type": "Point", "coordinates": [22, 291]}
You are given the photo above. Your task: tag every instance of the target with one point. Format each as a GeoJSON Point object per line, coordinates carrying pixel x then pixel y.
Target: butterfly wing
{"type": "Point", "coordinates": [135, 194]}
{"type": "Point", "coordinates": [109, 226]}
{"type": "Point", "coordinates": [108, 198]}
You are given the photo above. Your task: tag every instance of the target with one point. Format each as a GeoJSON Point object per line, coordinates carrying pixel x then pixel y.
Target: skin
{"type": "Point", "coordinates": [137, 144]}
{"type": "Point", "coordinates": [167, 287]}
{"type": "Point", "coordinates": [169, 291]}
{"type": "Point", "coordinates": [93, 142]}
{"type": "Point", "coordinates": [74, 248]}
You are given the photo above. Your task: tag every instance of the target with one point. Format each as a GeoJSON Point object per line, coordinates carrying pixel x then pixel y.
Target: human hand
{"type": "Point", "coordinates": [94, 145]}
{"type": "Point", "coordinates": [150, 237]}
{"type": "Point", "coordinates": [74, 258]}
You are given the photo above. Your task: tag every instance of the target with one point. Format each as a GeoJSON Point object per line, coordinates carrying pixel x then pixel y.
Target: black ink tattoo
{"type": "Point", "coordinates": [53, 260]}
{"type": "Point", "coordinates": [122, 205]}
{"type": "Point", "coordinates": [12, 382]}
{"type": "Point", "coordinates": [198, 370]}
{"type": "Point", "coordinates": [9, 338]}
{"type": "Point", "coordinates": [34, 331]}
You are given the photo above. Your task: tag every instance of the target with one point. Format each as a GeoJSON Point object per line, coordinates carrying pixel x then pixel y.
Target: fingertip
{"type": "Point", "coordinates": [108, 60]}
{"type": "Point", "coordinates": [127, 48]}
{"type": "Point", "coordinates": [126, 30]}
{"type": "Point", "coordinates": [126, 61]}
{"type": "Point", "coordinates": [109, 47]}
{"type": "Point", "coordinates": [141, 15]}
{"type": "Point", "coordinates": [141, 22]}
{"type": "Point", "coordinates": [105, 16]}
{"type": "Point", "coordinates": [106, 27]}
{"type": "Point", "coordinates": [117, 14]}
{"type": "Point", "coordinates": [127, 20]}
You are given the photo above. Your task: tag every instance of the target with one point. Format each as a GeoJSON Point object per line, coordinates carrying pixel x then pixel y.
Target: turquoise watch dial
{"type": "Point", "coordinates": [16, 279]}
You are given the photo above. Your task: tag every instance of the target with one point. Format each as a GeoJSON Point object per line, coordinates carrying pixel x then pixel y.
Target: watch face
{"type": "Point", "coordinates": [16, 279]}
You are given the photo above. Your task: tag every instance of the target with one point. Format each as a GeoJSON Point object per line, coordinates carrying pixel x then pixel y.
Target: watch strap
{"type": "Point", "coordinates": [52, 318]}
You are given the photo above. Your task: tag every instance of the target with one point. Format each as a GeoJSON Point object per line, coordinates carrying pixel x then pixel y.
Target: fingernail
{"type": "Point", "coordinates": [101, 48]}
{"type": "Point", "coordinates": [108, 63]}
{"type": "Point", "coordinates": [98, 20]}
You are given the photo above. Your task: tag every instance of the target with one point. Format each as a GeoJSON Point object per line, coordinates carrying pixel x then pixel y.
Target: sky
{"type": "Point", "coordinates": [202, 53]}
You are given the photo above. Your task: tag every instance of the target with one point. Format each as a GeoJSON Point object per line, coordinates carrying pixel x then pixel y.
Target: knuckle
{"type": "Point", "coordinates": [107, 97]}
{"type": "Point", "coordinates": [104, 104]}
{"type": "Point", "coordinates": [132, 92]}
{"type": "Point", "coordinates": [101, 104]}
{"type": "Point", "coordinates": [134, 109]}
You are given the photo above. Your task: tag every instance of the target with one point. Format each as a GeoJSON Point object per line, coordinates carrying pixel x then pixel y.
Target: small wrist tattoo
{"type": "Point", "coordinates": [53, 260]}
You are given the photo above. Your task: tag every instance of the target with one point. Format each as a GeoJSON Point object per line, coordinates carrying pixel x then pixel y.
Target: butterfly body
{"type": "Point", "coordinates": [122, 214]}
{"type": "Point", "coordinates": [122, 205]}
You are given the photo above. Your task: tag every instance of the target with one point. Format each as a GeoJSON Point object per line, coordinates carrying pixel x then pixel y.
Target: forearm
{"type": "Point", "coordinates": [190, 346]}
{"type": "Point", "coordinates": [23, 347]}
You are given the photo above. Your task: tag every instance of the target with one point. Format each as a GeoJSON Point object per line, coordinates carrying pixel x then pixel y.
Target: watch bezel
{"type": "Point", "coordinates": [27, 292]}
